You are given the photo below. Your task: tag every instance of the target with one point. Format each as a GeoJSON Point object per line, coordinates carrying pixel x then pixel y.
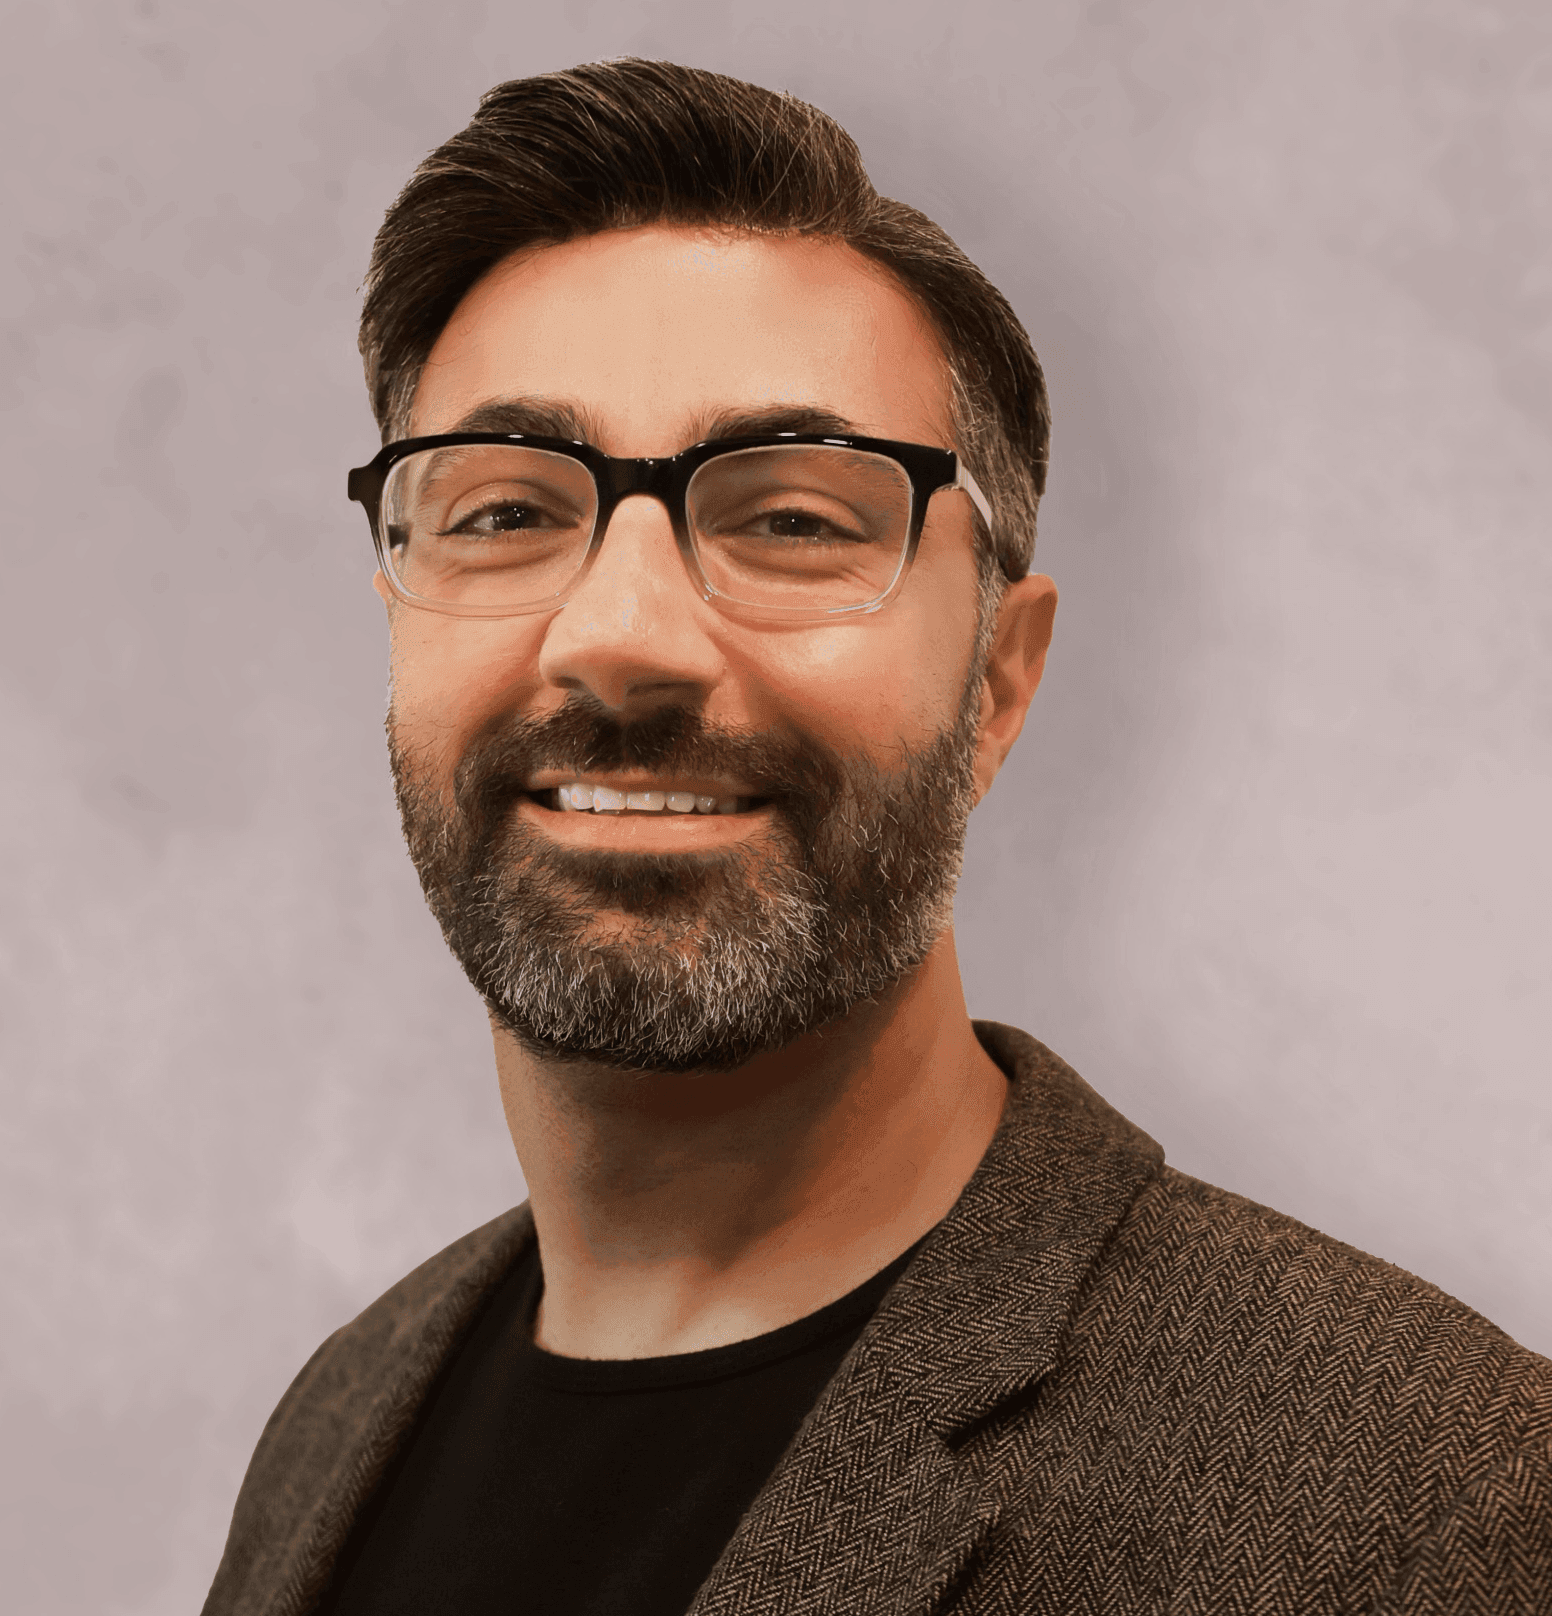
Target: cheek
{"type": "Point", "coordinates": [871, 684]}
{"type": "Point", "coordinates": [918, 666]}
{"type": "Point", "coordinates": [450, 676]}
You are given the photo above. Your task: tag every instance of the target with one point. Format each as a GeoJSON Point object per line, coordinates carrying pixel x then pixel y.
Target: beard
{"type": "Point", "coordinates": [709, 958]}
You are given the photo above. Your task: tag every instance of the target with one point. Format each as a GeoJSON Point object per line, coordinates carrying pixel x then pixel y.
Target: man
{"type": "Point", "coordinates": [704, 524]}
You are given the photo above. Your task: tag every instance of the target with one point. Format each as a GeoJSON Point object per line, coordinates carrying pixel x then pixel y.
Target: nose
{"type": "Point", "coordinates": [635, 633]}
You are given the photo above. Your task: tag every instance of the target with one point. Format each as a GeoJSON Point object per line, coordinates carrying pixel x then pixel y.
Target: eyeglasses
{"type": "Point", "coordinates": [786, 527]}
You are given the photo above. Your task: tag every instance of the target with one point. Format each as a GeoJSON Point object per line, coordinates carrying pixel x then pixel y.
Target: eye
{"type": "Point", "coordinates": [797, 525]}
{"type": "Point", "coordinates": [502, 513]}
{"type": "Point", "coordinates": [503, 518]}
{"type": "Point", "coordinates": [789, 525]}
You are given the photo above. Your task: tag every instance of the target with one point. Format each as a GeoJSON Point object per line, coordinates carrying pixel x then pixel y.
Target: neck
{"type": "Point", "coordinates": [679, 1212]}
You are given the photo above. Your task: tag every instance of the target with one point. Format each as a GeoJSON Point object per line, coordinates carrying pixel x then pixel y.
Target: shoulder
{"type": "Point", "coordinates": [414, 1320]}
{"type": "Point", "coordinates": [1220, 1405]}
{"type": "Point", "coordinates": [1261, 1401]}
{"type": "Point", "coordinates": [335, 1429]}
{"type": "Point", "coordinates": [1220, 1288]}
{"type": "Point", "coordinates": [1238, 1282]}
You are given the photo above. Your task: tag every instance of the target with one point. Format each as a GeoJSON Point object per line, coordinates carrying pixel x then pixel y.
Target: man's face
{"type": "Point", "coordinates": [681, 940]}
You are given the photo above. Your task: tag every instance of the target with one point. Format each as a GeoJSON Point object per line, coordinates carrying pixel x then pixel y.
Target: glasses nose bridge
{"type": "Point", "coordinates": [652, 476]}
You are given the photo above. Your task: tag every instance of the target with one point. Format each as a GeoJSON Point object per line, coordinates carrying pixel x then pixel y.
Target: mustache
{"type": "Point", "coordinates": [582, 736]}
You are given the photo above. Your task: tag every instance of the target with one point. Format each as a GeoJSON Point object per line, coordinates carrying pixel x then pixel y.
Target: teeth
{"type": "Point", "coordinates": [605, 800]}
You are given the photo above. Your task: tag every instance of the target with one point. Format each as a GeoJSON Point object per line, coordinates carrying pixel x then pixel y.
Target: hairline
{"type": "Point", "coordinates": [407, 386]}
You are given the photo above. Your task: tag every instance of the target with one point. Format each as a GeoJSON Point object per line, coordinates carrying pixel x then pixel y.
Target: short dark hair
{"type": "Point", "coordinates": [616, 145]}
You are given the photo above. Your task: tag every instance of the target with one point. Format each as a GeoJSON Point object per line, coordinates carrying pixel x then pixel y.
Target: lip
{"type": "Point", "coordinates": [643, 832]}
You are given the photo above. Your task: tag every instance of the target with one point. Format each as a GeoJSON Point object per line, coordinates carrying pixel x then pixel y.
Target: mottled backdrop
{"type": "Point", "coordinates": [1270, 865]}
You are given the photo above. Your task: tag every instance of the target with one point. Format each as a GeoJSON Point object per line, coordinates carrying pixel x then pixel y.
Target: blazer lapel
{"type": "Point", "coordinates": [899, 1472]}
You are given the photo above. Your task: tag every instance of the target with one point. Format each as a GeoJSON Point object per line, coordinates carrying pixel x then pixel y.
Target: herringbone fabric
{"type": "Point", "coordinates": [1101, 1387]}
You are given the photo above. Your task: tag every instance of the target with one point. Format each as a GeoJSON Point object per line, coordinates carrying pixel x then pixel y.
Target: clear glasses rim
{"type": "Point", "coordinates": [930, 469]}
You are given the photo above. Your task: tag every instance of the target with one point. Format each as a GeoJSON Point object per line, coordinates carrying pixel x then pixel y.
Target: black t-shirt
{"type": "Point", "coordinates": [578, 1487]}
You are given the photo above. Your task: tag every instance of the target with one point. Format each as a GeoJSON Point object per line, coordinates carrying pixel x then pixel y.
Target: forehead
{"type": "Point", "coordinates": [651, 336]}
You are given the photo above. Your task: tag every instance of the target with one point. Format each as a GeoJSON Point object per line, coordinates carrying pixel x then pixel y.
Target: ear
{"type": "Point", "coordinates": [380, 584]}
{"type": "Point", "coordinates": [1013, 669]}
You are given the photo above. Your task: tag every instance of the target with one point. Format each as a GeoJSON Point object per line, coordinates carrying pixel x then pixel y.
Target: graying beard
{"type": "Point", "coordinates": [790, 962]}
{"type": "Point", "coordinates": [776, 948]}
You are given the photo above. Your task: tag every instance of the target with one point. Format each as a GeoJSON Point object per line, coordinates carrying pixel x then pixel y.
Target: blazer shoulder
{"type": "Point", "coordinates": [1241, 1405]}
{"type": "Point", "coordinates": [340, 1420]}
{"type": "Point", "coordinates": [1241, 1231]}
{"type": "Point", "coordinates": [460, 1272]}
{"type": "Point", "coordinates": [1269, 1306]}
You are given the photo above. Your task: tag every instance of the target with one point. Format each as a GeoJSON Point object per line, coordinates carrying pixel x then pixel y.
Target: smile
{"type": "Point", "coordinates": [665, 799]}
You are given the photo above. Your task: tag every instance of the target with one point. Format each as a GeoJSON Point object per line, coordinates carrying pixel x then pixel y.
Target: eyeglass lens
{"type": "Point", "coordinates": [806, 527]}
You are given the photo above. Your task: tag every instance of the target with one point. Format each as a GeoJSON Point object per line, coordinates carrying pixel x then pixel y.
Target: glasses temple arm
{"type": "Point", "coordinates": [964, 480]}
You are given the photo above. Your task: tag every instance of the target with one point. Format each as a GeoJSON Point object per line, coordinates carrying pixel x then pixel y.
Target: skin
{"type": "Point", "coordinates": [677, 1213]}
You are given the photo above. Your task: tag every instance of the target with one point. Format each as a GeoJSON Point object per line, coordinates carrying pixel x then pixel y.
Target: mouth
{"type": "Point", "coordinates": [662, 799]}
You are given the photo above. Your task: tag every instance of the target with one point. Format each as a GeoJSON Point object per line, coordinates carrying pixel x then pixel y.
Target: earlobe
{"type": "Point", "coordinates": [380, 584]}
{"type": "Point", "coordinates": [1013, 670]}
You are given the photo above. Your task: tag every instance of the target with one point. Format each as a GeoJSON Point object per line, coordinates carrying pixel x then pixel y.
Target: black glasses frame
{"type": "Point", "coordinates": [666, 479]}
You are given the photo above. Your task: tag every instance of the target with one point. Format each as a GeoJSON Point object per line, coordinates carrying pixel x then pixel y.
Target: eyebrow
{"type": "Point", "coordinates": [537, 417]}
{"type": "Point", "coordinates": [550, 418]}
{"type": "Point", "coordinates": [807, 418]}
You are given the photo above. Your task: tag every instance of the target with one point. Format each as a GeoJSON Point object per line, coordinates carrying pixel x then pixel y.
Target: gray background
{"type": "Point", "coordinates": [1270, 863]}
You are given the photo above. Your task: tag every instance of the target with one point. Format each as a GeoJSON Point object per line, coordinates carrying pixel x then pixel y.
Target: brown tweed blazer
{"type": "Point", "coordinates": [1101, 1387]}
